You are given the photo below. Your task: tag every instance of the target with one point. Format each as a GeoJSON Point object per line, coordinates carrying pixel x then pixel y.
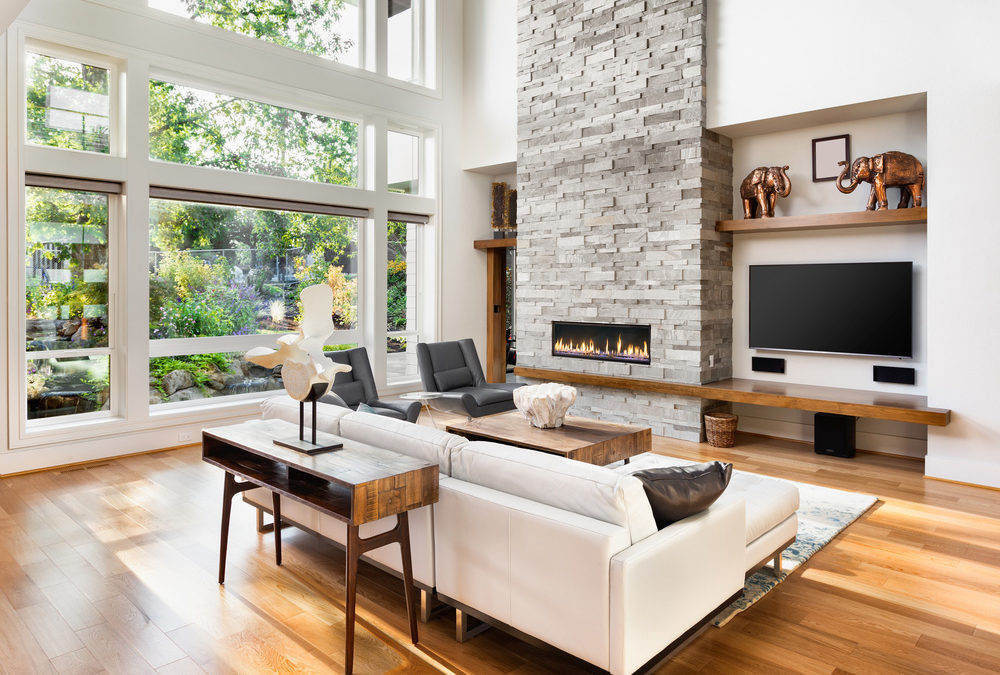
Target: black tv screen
{"type": "Point", "coordinates": [848, 308]}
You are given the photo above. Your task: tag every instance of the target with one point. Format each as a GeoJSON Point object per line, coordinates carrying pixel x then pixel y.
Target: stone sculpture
{"type": "Point", "coordinates": [545, 405]}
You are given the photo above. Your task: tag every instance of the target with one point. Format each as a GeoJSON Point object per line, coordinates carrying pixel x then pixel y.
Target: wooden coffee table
{"type": "Point", "coordinates": [357, 484]}
{"type": "Point", "coordinates": [579, 438]}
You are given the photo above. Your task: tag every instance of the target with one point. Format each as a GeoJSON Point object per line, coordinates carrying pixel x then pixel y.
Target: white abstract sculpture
{"type": "Point", "coordinates": [545, 405]}
{"type": "Point", "coordinates": [306, 373]}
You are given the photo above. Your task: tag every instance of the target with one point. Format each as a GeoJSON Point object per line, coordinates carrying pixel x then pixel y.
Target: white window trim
{"type": "Point", "coordinates": [137, 172]}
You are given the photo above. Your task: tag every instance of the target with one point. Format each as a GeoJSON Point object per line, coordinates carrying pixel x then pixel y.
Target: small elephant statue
{"type": "Point", "coordinates": [761, 188]}
{"type": "Point", "coordinates": [888, 169]}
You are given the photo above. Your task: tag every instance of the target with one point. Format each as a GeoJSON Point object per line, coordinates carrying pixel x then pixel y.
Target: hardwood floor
{"type": "Point", "coordinates": [111, 567]}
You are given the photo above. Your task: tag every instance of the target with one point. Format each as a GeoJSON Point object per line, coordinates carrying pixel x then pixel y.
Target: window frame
{"type": "Point", "coordinates": [116, 127]}
{"type": "Point", "coordinates": [114, 352]}
{"type": "Point", "coordinates": [137, 172]}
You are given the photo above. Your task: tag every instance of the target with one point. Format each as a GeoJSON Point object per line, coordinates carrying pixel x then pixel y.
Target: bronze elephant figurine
{"type": "Point", "coordinates": [889, 169]}
{"type": "Point", "coordinates": [761, 188]}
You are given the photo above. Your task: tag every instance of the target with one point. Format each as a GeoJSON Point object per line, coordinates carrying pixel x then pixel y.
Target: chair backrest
{"type": "Point", "coordinates": [358, 385]}
{"type": "Point", "coordinates": [445, 366]}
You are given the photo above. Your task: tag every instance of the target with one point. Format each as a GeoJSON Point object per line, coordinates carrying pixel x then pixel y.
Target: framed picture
{"type": "Point", "coordinates": [826, 153]}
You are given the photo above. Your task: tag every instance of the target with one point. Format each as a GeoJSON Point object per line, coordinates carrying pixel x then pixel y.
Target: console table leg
{"type": "Point", "coordinates": [353, 553]}
{"type": "Point", "coordinates": [404, 545]}
{"type": "Point", "coordinates": [228, 492]}
{"type": "Point", "coordinates": [276, 503]}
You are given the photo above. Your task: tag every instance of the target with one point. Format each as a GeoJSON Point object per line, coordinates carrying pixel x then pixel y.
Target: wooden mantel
{"type": "Point", "coordinates": [856, 402]}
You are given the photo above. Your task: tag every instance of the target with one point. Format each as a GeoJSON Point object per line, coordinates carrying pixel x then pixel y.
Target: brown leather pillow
{"type": "Point", "coordinates": [676, 492]}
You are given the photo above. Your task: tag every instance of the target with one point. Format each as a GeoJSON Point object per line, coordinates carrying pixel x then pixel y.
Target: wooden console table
{"type": "Point", "coordinates": [357, 484]}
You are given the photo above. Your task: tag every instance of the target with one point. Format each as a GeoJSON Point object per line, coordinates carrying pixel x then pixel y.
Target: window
{"type": "Point", "coordinates": [402, 296]}
{"type": "Point", "coordinates": [327, 28]}
{"type": "Point", "coordinates": [67, 104]}
{"type": "Point", "coordinates": [68, 335]}
{"type": "Point", "coordinates": [403, 162]}
{"type": "Point", "coordinates": [202, 128]}
{"type": "Point", "coordinates": [219, 270]}
{"type": "Point", "coordinates": [401, 43]}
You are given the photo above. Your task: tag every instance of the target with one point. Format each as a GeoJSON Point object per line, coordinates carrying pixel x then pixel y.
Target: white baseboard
{"type": "Point", "coordinates": [963, 470]}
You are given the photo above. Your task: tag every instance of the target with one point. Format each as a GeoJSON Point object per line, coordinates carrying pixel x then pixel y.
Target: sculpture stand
{"type": "Point", "coordinates": [329, 442]}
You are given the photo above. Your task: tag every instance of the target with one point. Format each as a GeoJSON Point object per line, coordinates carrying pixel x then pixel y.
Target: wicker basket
{"type": "Point", "coordinates": [721, 429]}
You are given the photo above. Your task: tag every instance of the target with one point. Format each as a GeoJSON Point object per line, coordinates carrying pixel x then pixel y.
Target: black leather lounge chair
{"type": "Point", "coordinates": [358, 386]}
{"type": "Point", "coordinates": [453, 367]}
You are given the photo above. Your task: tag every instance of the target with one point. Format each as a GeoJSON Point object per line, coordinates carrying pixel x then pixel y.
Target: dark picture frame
{"type": "Point", "coordinates": [839, 147]}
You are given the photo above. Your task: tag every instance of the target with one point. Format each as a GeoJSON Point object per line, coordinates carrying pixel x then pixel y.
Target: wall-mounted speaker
{"type": "Point", "coordinates": [763, 364]}
{"type": "Point", "coordinates": [894, 375]}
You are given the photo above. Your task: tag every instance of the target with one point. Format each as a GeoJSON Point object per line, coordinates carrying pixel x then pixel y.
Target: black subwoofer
{"type": "Point", "coordinates": [834, 434]}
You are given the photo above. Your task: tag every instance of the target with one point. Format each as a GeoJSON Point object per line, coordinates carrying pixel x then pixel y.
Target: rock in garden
{"type": "Point", "coordinates": [155, 396]}
{"type": "Point", "coordinates": [69, 328]}
{"type": "Point", "coordinates": [176, 380]}
{"type": "Point", "coordinates": [190, 394]}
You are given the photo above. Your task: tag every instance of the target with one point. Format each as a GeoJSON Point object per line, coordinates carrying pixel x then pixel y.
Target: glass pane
{"type": "Point", "coordinates": [226, 270]}
{"type": "Point", "coordinates": [202, 128]}
{"type": "Point", "coordinates": [66, 269]}
{"type": "Point", "coordinates": [67, 104]}
{"type": "Point", "coordinates": [400, 40]}
{"type": "Point", "coordinates": [404, 163]}
{"type": "Point", "coordinates": [401, 302]}
{"type": "Point", "coordinates": [199, 376]}
{"type": "Point", "coordinates": [68, 386]}
{"type": "Point", "coordinates": [327, 28]}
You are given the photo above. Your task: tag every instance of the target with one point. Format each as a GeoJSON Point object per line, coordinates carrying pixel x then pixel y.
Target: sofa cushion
{"type": "Point", "coordinates": [676, 492]}
{"type": "Point", "coordinates": [426, 443]}
{"type": "Point", "coordinates": [770, 501]}
{"type": "Point", "coordinates": [284, 407]}
{"type": "Point", "coordinates": [585, 489]}
{"type": "Point", "coordinates": [453, 378]}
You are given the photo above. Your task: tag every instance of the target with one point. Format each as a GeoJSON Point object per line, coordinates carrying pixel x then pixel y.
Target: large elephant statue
{"type": "Point", "coordinates": [889, 169]}
{"type": "Point", "coordinates": [761, 188]}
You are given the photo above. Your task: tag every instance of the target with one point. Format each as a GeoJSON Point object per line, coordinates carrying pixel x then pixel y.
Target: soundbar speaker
{"type": "Point", "coordinates": [834, 434]}
{"type": "Point", "coordinates": [763, 364]}
{"type": "Point", "coordinates": [894, 375]}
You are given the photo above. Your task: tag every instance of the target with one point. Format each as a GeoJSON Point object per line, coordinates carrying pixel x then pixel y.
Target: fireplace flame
{"type": "Point", "coordinates": [588, 348]}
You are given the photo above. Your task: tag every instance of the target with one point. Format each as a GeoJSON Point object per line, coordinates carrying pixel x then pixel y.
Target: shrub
{"type": "Point", "coordinates": [201, 367]}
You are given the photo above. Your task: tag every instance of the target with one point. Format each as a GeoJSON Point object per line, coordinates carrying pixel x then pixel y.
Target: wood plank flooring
{"type": "Point", "coordinates": [111, 568]}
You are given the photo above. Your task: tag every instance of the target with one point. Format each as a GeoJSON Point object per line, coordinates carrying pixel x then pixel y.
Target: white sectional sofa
{"type": "Point", "coordinates": [565, 552]}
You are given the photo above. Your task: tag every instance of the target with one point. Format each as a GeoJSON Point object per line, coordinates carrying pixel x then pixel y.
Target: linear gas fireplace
{"type": "Point", "coordinates": [601, 341]}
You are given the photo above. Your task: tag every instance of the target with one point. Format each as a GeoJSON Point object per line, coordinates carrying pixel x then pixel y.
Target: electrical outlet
{"type": "Point", "coordinates": [711, 360]}
{"type": "Point", "coordinates": [185, 437]}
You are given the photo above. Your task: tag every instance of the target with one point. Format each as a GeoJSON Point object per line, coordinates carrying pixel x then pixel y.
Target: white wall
{"type": "Point", "coordinates": [9, 10]}
{"type": "Point", "coordinates": [462, 196]}
{"type": "Point", "coordinates": [490, 83]}
{"type": "Point", "coordinates": [830, 55]}
{"type": "Point", "coordinates": [903, 131]}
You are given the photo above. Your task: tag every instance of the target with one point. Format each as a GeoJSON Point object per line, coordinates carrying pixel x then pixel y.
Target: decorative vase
{"type": "Point", "coordinates": [545, 405]}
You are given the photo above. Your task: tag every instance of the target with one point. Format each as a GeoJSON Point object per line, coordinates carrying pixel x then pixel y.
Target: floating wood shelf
{"type": "Point", "coordinates": [510, 242]}
{"type": "Point", "coordinates": [856, 402]}
{"type": "Point", "coordinates": [825, 221]}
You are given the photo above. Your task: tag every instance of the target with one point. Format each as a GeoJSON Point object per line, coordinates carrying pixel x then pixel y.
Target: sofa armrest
{"type": "Point", "coordinates": [670, 581]}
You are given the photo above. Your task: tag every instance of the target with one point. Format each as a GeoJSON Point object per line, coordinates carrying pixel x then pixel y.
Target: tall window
{"type": "Point", "coordinates": [403, 296]}
{"type": "Point", "coordinates": [203, 128]}
{"type": "Point", "coordinates": [224, 271]}
{"type": "Point", "coordinates": [327, 28]}
{"type": "Point", "coordinates": [403, 162]}
{"type": "Point", "coordinates": [68, 336]}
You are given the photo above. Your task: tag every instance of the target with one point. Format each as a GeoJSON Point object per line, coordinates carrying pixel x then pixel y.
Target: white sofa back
{"type": "Point", "coordinates": [578, 487]}
{"type": "Point", "coordinates": [286, 408]}
{"type": "Point", "coordinates": [406, 438]}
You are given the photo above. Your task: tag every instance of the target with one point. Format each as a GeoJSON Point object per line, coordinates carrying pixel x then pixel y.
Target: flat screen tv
{"type": "Point", "coordinates": [841, 308]}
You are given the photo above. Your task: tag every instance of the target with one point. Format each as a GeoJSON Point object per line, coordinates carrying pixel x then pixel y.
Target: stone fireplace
{"type": "Point", "coordinates": [627, 343]}
{"type": "Point", "coordinates": [619, 188]}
